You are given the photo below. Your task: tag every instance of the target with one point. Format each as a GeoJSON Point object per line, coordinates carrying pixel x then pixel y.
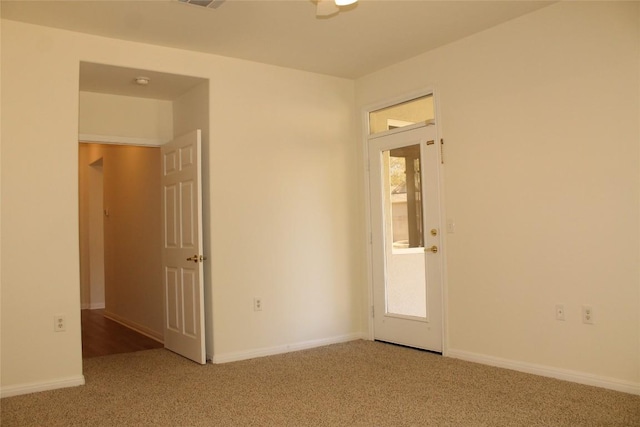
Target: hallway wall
{"type": "Point", "coordinates": [132, 240]}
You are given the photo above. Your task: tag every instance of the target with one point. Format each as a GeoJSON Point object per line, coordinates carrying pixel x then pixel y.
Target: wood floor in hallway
{"type": "Point", "coordinates": [102, 336]}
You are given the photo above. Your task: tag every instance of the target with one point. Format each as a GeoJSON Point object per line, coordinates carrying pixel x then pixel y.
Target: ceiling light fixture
{"type": "Point", "coordinates": [142, 81]}
{"type": "Point", "coordinates": [329, 8]}
{"type": "Point", "coordinates": [345, 2]}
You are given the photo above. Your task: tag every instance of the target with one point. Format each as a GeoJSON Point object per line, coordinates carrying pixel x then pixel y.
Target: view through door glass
{"type": "Point", "coordinates": [404, 235]}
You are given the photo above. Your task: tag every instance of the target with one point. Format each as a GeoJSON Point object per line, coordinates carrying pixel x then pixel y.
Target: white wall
{"type": "Point", "coordinates": [39, 210]}
{"type": "Point", "coordinates": [284, 213]}
{"type": "Point", "coordinates": [280, 141]}
{"type": "Point", "coordinates": [540, 121]}
{"type": "Point", "coordinates": [0, 175]}
{"type": "Point", "coordinates": [96, 238]}
{"type": "Point", "coordinates": [90, 217]}
{"type": "Point", "coordinates": [109, 115]}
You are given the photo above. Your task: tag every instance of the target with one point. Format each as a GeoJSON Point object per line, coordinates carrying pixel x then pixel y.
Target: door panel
{"type": "Point", "coordinates": [170, 200]}
{"type": "Point", "coordinates": [187, 215]}
{"type": "Point", "coordinates": [405, 218]}
{"type": "Point", "coordinates": [182, 251]}
{"type": "Point", "coordinates": [171, 299]}
{"type": "Point", "coordinates": [190, 291]}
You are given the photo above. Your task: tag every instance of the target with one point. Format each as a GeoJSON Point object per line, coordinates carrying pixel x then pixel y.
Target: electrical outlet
{"type": "Point", "coordinates": [560, 312]}
{"type": "Point", "coordinates": [587, 315]}
{"type": "Point", "coordinates": [257, 304]}
{"type": "Point", "coordinates": [59, 323]}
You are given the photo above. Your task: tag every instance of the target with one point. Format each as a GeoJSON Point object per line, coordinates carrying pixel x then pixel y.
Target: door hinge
{"type": "Point", "coordinates": [442, 151]}
{"type": "Point", "coordinates": [373, 311]}
{"type": "Point", "coordinates": [371, 237]}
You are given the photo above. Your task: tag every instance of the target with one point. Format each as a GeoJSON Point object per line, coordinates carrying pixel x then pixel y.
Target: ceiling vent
{"type": "Point", "coordinates": [212, 4]}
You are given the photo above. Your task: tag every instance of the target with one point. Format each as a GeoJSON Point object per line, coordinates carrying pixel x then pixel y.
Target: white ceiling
{"type": "Point", "coordinates": [359, 40]}
{"type": "Point", "coordinates": [114, 80]}
{"type": "Point", "coordinates": [363, 38]}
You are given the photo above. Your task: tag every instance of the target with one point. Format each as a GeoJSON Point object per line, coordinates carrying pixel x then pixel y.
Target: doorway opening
{"type": "Point", "coordinates": [120, 258]}
{"type": "Point", "coordinates": [405, 216]}
{"type": "Point", "coordinates": [121, 129]}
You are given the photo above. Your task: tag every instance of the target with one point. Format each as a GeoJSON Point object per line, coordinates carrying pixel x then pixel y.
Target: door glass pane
{"type": "Point", "coordinates": [404, 236]}
{"type": "Point", "coordinates": [417, 110]}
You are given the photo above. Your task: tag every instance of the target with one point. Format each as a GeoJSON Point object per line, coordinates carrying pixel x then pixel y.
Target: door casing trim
{"type": "Point", "coordinates": [367, 201]}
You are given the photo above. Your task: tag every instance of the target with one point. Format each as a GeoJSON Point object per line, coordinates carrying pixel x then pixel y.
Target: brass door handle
{"type": "Point", "coordinates": [197, 258]}
{"type": "Point", "coordinates": [433, 249]}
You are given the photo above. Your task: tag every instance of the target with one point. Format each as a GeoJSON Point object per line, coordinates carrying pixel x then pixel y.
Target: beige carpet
{"type": "Point", "coordinates": [359, 383]}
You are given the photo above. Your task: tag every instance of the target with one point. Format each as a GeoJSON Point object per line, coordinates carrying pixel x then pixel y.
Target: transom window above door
{"type": "Point", "coordinates": [418, 110]}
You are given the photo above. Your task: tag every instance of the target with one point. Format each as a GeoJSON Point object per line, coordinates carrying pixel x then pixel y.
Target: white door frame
{"type": "Point", "coordinates": [367, 197]}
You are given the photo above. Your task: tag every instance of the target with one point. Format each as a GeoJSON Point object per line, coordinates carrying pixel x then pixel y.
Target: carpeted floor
{"type": "Point", "coordinates": [360, 383]}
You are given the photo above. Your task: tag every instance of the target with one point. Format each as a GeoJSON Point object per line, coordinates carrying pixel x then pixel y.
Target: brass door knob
{"type": "Point", "coordinates": [197, 258]}
{"type": "Point", "coordinates": [433, 249]}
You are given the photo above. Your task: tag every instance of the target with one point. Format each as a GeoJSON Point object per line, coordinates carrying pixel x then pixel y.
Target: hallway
{"type": "Point", "coordinates": [102, 336]}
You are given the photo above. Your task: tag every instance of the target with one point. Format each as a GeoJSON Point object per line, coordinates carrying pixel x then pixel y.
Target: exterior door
{"type": "Point", "coordinates": [405, 218]}
{"type": "Point", "coordinates": [182, 255]}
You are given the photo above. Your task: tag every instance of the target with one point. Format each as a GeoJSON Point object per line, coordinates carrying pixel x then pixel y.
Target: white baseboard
{"type": "Point", "coordinates": [16, 390]}
{"type": "Point", "coordinates": [141, 329]}
{"type": "Point", "coordinates": [547, 371]}
{"type": "Point", "coordinates": [287, 348]}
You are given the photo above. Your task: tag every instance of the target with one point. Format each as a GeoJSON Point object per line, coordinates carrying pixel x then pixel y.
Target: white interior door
{"type": "Point", "coordinates": [405, 218]}
{"type": "Point", "coordinates": [182, 255]}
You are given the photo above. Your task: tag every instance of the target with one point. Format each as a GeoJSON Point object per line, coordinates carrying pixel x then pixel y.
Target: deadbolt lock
{"type": "Point", "coordinates": [434, 231]}
{"type": "Point", "coordinates": [433, 249]}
